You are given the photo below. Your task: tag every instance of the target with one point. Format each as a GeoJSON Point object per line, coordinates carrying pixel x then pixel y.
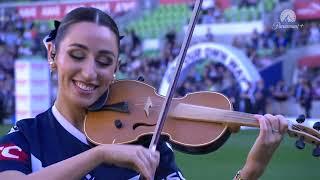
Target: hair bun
{"type": "Point", "coordinates": [53, 33]}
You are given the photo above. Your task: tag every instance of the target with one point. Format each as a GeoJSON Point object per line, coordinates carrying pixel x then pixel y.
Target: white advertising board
{"type": "Point", "coordinates": [32, 93]}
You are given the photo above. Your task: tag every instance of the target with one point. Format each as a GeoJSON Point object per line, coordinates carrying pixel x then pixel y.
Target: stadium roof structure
{"type": "Point", "coordinates": [310, 61]}
{"type": "Point", "coordinates": [307, 9]}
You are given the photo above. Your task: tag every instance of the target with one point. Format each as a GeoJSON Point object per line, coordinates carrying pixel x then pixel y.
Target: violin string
{"type": "Point", "coordinates": [239, 114]}
{"type": "Point", "coordinates": [145, 104]}
{"type": "Point", "coordinates": [155, 101]}
{"type": "Point", "coordinates": [229, 116]}
{"type": "Point", "coordinates": [235, 115]}
{"type": "Point", "coordinates": [222, 116]}
{"type": "Point", "coordinates": [146, 98]}
{"type": "Point", "coordinates": [236, 118]}
{"type": "Point", "coordinates": [227, 113]}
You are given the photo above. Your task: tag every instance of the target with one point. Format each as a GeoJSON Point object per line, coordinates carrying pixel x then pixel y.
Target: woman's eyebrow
{"type": "Point", "coordinates": [107, 52]}
{"type": "Point", "coordinates": [79, 46]}
{"type": "Point", "coordinates": [104, 51]}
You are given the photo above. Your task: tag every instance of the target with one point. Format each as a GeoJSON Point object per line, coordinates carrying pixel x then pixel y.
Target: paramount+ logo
{"type": "Point", "coordinates": [287, 20]}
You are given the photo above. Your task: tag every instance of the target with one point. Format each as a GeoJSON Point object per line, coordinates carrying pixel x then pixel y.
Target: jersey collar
{"type": "Point", "coordinates": [68, 126]}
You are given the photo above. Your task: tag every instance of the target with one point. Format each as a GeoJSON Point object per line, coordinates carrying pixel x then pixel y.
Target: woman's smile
{"type": "Point", "coordinates": [84, 88]}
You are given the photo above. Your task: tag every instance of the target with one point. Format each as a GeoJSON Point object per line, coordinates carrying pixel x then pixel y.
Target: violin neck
{"type": "Point", "coordinates": [209, 114]}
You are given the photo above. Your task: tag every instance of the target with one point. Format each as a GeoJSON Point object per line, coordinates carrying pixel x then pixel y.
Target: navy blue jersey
{"type": "Point", "coordinates": [44, 140]}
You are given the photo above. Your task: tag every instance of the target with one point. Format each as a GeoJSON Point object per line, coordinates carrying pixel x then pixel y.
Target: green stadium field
{"type": "Point", "coordinates": [287, 163]}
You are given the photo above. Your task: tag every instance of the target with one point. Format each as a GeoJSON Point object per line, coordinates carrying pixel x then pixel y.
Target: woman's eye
{"type": "Point", "coordinates": [77, 54]}
{"type": "Point", "coordinates": [104, 60]}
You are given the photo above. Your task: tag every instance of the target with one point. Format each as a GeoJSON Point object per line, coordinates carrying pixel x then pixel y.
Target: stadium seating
{"type": "Point", "coordinates": [157, 22]}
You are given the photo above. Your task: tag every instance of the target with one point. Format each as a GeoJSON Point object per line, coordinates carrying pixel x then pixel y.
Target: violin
{"type": "Point", "coordinates": [197, 123]}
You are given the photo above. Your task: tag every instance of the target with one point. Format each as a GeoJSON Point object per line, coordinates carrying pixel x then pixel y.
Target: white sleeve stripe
{"type": "Point", "coordinates": [12, 130]}
{"type": "Point", "coordinates": [169, 146]}
{"type": "Point", "coordinates": [36, 164]}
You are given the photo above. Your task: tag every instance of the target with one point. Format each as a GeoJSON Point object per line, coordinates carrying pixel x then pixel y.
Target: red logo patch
{"type": "Point", "coordinates": [12, 152]}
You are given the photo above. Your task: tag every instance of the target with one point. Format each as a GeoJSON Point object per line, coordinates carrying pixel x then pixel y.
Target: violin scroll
{"type": "Point", "coordinates": [305, 134]}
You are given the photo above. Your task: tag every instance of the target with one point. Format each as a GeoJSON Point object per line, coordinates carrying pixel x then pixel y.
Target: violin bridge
{"type": "Point", "coordinates": [147, 106]}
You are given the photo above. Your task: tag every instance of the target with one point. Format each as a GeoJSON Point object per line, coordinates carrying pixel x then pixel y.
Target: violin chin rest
{"type": "Point", "coordinates": [98, 104]}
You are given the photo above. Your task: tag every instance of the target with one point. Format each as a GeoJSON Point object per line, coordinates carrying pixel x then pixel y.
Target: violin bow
{"type": "Point", "coordinates": [166, 104]}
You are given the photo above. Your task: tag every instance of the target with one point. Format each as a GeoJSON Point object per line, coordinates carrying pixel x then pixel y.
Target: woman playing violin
{"type": "Point", "coordinates": [84, 52]}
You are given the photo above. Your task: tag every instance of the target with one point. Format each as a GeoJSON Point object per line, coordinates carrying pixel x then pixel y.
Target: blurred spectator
{"type": "Point", "coordinates": [3, 112]}
{"type": "Point", "coordinates": [211, 15]}
{"type": "Point", "coordinates": [304, 95]}
{"type": "Point", "coordinates": [306, 98]}
{"type": "Point", "coordinates": [233, 93]}
{"type": "Point", "coordinates": [260, 96]}
{"type": "Point", "coordinates": [247, 99]}
{"type": "Point", "coordinates": [317, 90]}
{"type": "Point", "coordinates": [280, 94]}
{"type": "Point", "coordinates": [247, 3]}
{"type": "Point", "coordinates": [314, 34]}
{"type": "Point", "coordinates": [207, 4]}
{"type": "Point", "coordinates": [209, 36]}
{"type": "Point", "coordinates": [237, 42]}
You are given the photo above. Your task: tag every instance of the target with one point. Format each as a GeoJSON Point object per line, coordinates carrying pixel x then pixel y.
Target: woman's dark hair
{"type": "Point", "coordinates": [85, 14]}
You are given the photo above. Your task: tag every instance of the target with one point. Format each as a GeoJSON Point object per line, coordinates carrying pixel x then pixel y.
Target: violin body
{"type": "Point", "coordinates": [131, 113]}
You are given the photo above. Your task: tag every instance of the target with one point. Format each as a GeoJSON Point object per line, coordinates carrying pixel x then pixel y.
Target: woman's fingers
{"type": "Point", "coordinates": [264, 127]}
{"type": "Point", "coordinates": [156, 158]}
{"type": "Point", "coordinates": [143, 155]}
{"type": "Point", "coordinates": [283, 124]}
{"type": "Point", "coordinates": [273, 122]}
{"type": "Point", "coordinates": [142, 168]}
{"type": "Point", "coordinates": [134, 157]}
{"type": "Point", "coordinates": [272, 129]}
{"type": "Point", "coordinates": [149, 162]}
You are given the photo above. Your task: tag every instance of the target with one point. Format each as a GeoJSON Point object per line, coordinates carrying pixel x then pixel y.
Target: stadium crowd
{"type": "Point", "coordinates": [20, 39]}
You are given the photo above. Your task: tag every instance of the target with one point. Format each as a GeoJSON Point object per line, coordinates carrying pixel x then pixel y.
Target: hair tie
{"type": "Point", "coordinates": [53, 33]}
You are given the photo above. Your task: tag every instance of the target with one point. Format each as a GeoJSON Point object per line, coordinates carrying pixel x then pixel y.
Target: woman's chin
{"type": "Point", "coordinates": [84, 103]}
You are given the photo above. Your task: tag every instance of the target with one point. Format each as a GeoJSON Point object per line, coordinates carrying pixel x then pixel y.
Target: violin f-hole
{"type": "Point", "coordinates": [136, 125]}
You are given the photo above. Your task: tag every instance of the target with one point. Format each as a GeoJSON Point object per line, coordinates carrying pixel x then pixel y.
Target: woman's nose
{"type": "Point", "coordinates": [89, 71]}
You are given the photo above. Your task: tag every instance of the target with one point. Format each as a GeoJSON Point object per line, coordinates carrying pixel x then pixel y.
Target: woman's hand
{"type": "Point", "coordinates": [134, 157]}
{"type": "Point", "coordinates": [272, 129]}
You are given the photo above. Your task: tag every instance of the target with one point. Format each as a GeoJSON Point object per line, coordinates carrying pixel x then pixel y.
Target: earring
{"type": "Point", "coordinates": [53, 54]}
{"type": "Point", "coordinates": [52, 65]}
{"type": "Point", "coordinates": [114, 78]}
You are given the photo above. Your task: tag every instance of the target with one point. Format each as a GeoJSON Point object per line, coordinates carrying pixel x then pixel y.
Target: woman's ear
{"type": "Point", "coordinates": [51, 55]}
{"type": "Point", "coordinates": [50, 51]}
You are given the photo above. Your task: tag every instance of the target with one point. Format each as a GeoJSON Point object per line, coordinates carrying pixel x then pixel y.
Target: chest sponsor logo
{"type": "Point", "coordinates": [175, 176]}
{"type": "Point", "coordinates": [172, 176]}
{"type": "Point", "coordinates": [12, 152]}
{"type": "Point", "coordinates": [89, 177]}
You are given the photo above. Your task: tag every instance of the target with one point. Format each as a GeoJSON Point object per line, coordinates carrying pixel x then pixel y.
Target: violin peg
{"type": "Point", "coordinates": [301, 118]}
{"type": "Point", "coordinates": [300, 143]}
{"type": "Point", "coordinates": [316, 151]}
{"type": "Point", "coordinates": [141, 79]}
{"type": "Point", "coordinates": [316, 126]}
